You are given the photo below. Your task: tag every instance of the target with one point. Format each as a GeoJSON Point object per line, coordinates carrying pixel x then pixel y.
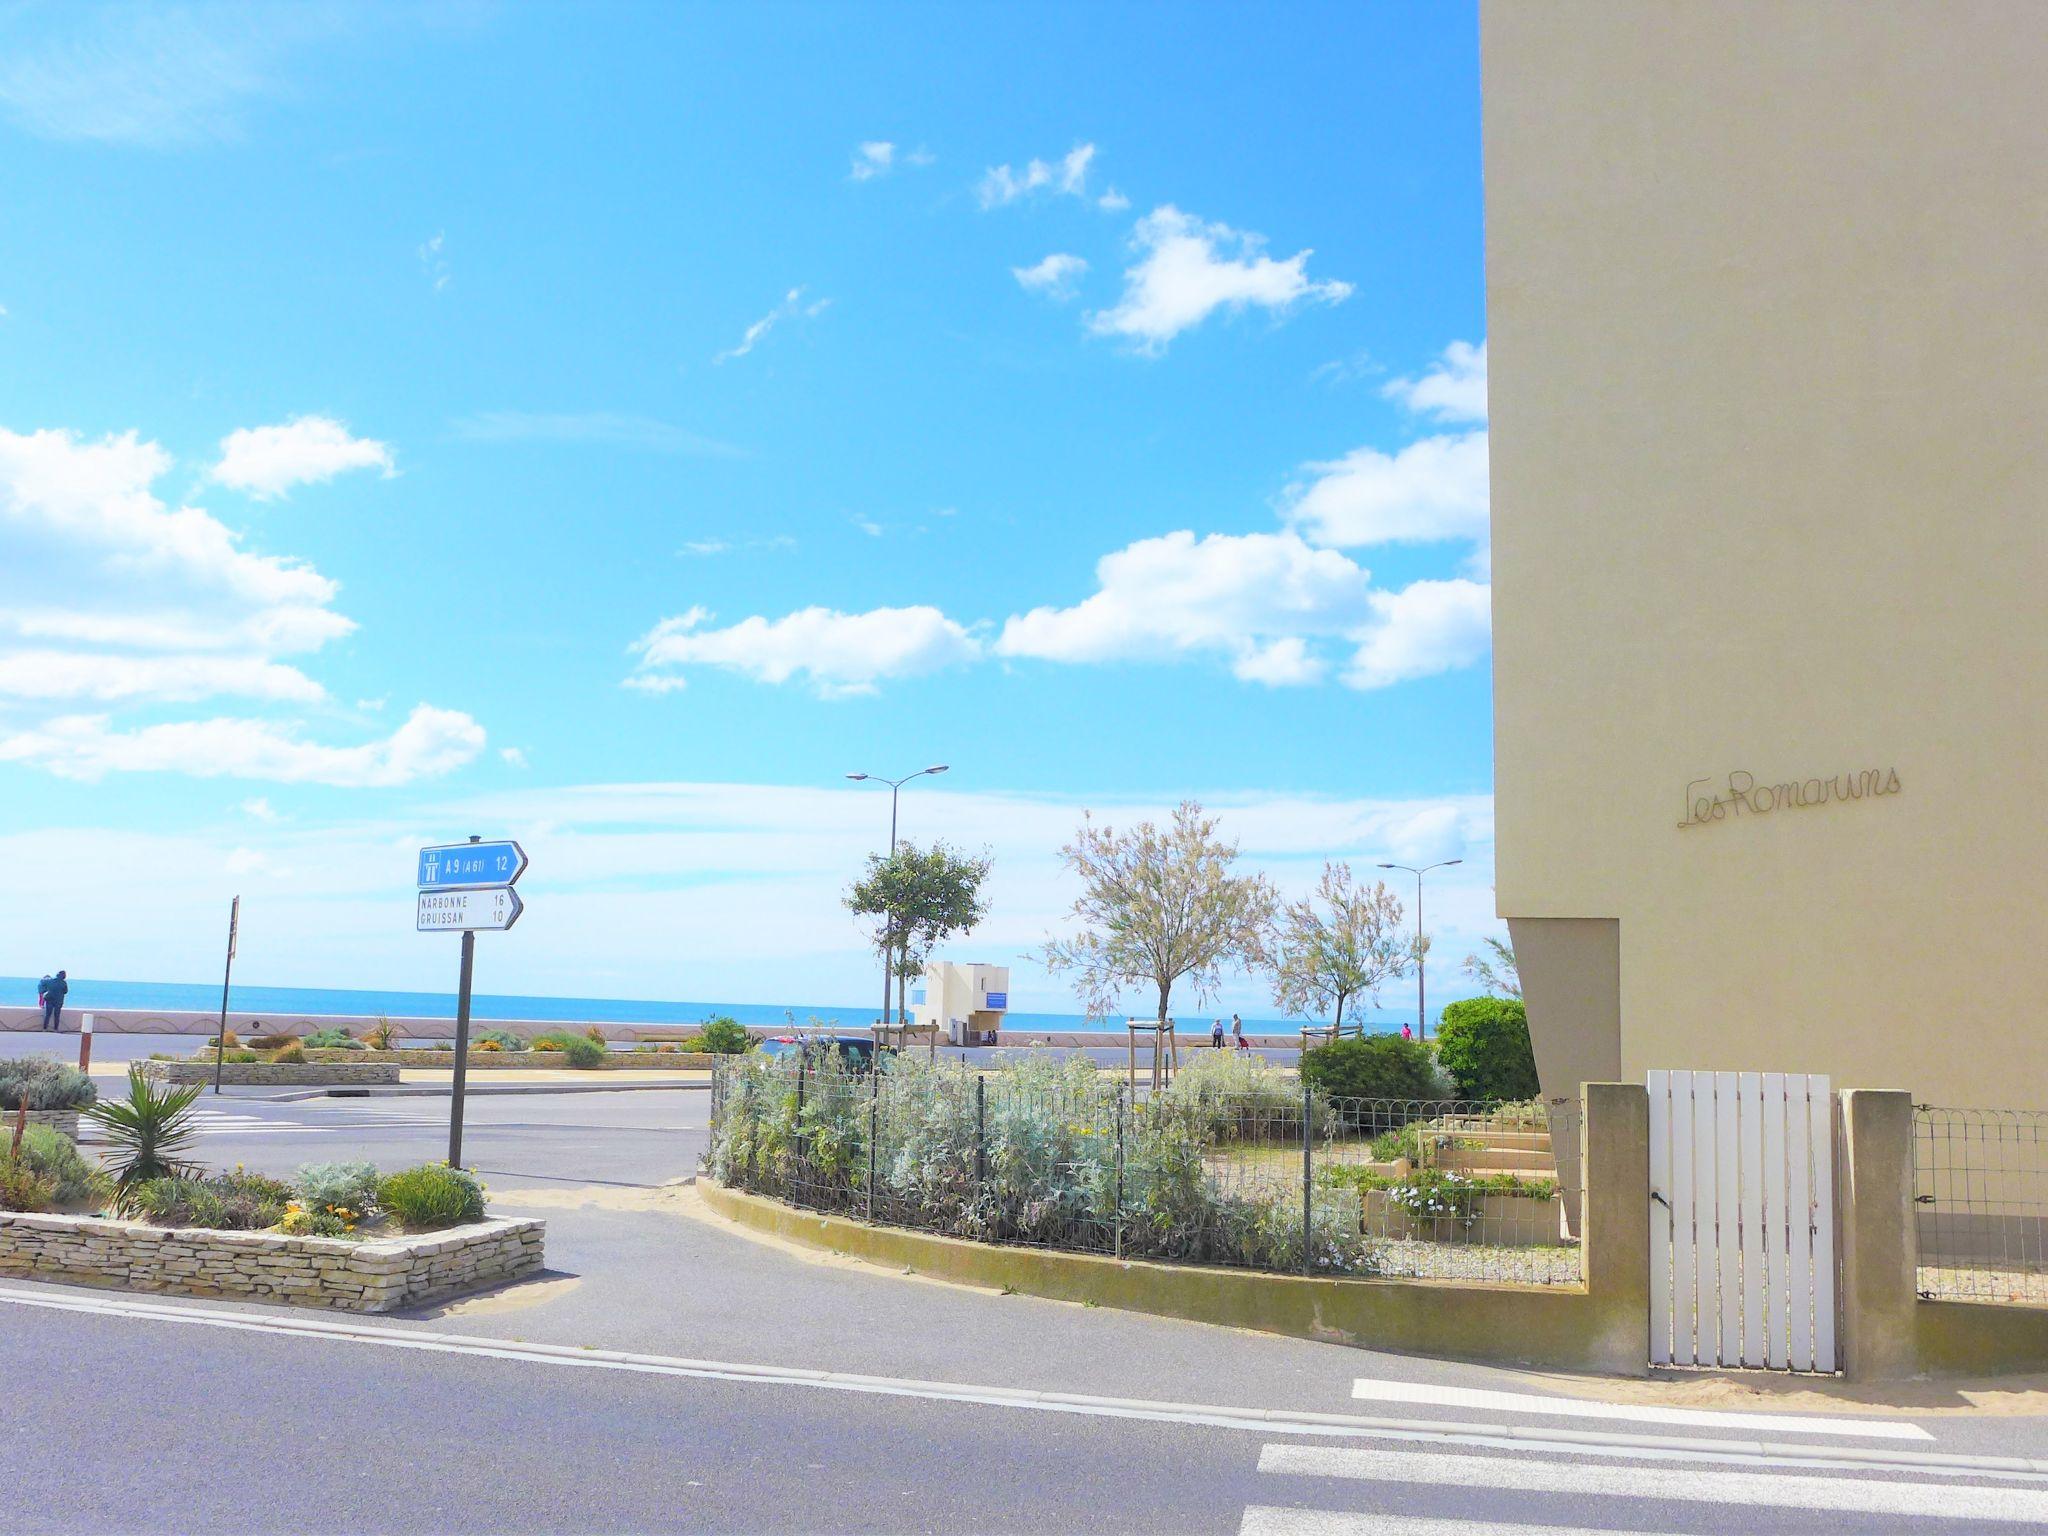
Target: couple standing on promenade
{"type": "Point", "coordinates": [50, 994]}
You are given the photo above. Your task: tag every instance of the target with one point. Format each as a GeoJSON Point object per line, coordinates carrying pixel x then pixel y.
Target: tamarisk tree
{"type": "Point", "coordinates": [914, 898]}
{"type": "Point", "coordinates": [1159, 907]}
{"type": "Point", "coordinates": [1340, 943]}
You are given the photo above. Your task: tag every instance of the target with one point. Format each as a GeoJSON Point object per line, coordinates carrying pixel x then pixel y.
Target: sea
{"type": "Point", "coordinates": [90, 992]}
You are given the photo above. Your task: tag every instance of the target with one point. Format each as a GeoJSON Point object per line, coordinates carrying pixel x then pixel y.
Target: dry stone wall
{"type": "Point", "coordinates": [377, 1275]}
{"type": "Point", "coordinates": [274, 1074]}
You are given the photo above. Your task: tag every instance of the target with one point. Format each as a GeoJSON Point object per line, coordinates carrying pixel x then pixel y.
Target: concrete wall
{"type": "Point", "coordinates": [1767, 370]}
{"type": "Point", "coordinates": [377, 1275]}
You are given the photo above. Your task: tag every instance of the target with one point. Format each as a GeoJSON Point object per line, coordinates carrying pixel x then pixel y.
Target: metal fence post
{"type": "Point", "coordinates": [1119, 1239]}
{"type": "Point", "coordinates": [980, 1136]}
{"type": "Point", "coordinates": [1307, 1185]}
{"type": "Point", "coordinates": [874, 1105]}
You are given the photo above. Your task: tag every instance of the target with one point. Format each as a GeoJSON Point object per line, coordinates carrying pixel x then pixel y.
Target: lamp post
{"type": "Point", "coordinates": [895, 788]}
{"type": "Point", "coordinates": [1421, 960]}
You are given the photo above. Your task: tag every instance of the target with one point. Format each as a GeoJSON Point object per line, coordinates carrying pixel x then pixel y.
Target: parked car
{"type": "Point", "coordinates": [857, 1051]}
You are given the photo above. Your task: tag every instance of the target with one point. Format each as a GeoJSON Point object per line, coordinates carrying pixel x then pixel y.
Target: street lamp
{"type": "Point", "coordinates": [1421, 961]}
{"type": "Point", "coordinates": [895, 787]}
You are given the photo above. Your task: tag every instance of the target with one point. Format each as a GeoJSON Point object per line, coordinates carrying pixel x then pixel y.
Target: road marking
{"type": "Point", "coordinates": [1775, 1490]}
{"type": "Point", "coordinates": [1269, 1421]}
{"type": "Point", "coordinates": [1272, 1520]}
{"type": "Point", "coordinates": [1642, 1413]}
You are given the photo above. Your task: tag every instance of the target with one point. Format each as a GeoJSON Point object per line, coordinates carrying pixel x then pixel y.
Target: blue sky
{"type": "Point", "coordinates": [610, 425]}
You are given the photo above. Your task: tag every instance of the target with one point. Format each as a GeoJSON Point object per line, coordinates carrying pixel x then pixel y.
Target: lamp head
{"type": "Point", "coordinates": [1449, 862]}
{"type": "Point", "coordinates": [1390, 866]}
{"type": "Point", "coordinates": [856, 775]}
{"type": "Point", "coordinates": [936, 768]}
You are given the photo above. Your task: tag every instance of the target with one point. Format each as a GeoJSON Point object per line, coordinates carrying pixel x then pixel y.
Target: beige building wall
{"type": "Point", "coordinates": [1768, 292]}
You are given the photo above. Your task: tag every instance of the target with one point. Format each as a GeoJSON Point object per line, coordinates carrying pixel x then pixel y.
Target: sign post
{"type": "Point", "coordinates": [467, 887]}
{"type": "Point", "coordinates": [220, 1039]}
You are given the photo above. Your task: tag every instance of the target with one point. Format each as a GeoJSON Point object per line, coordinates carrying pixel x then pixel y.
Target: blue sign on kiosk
{"type": "Point", "coordinates": [471, 866]}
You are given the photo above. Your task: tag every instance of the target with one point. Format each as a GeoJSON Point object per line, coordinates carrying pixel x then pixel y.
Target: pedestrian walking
{"type": "Point", "coordinates": [1237, 1033]}
{"type": "Point", "coordinates": [50, 993]}
{"type": "Point", "coordinates": [1407, 1033]}
{"type": "Point", "coordinates": [1216, 1035]}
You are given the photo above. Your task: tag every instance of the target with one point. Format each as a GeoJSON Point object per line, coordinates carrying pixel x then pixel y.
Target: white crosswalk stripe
{"type": "Point", "coordinates": [1370, 1390]}
{"type": "Point", "coordinates": [1272, 1520]}
{"type": "Point", "coordinates": [220, 1122]}
{"type": "Point", "coordinates": [1668, 1481]}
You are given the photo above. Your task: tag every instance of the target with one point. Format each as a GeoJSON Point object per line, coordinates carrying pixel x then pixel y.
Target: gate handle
{"type": "Point", "coordinates": [1660, 1200]}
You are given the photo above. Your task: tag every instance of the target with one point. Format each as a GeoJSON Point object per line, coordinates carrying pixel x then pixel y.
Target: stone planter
{"type": "Point", "coordinates": [377, 1275]}
{"type": "Point", "coordinates": [273, 1074]}
{"type": "Point", "coordinates": [65, 1120]}
{"type": "Point", "coordinates": [525, 1061]}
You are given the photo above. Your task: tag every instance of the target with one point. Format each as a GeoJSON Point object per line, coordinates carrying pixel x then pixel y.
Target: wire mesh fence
{"type": "Point", "coordinates": [1233, 1164]}
{"type": "Point", "coordinates": [1980, 1191]}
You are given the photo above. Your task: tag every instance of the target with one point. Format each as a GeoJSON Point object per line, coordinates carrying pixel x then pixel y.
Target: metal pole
{"type": "Point", "coordinates": [220, 1038]}
{"type": "Point", "coordinates": [1307, 1184]}
{"type": "Point", "coordinates": [461, 1083]}
{"type": "Point", "coordinates": [1119, 1240]}
{"type": "Point", "coordinates": [1421, 968]}
{"type": "Point", "coordinates": [874, 1117]}
{"type": "Point", "coordinates": [980, 1136]}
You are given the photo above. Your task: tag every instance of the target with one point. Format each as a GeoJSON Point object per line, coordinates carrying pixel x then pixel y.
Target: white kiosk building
{"type": "Point", "coordinates": [965, 1002]}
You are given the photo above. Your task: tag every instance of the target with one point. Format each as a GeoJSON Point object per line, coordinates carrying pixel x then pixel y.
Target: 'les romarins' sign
{"type": "Point", "coordinates": [1743, 795]}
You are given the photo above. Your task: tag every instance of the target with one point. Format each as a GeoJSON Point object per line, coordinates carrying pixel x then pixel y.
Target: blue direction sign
{"type": "Point", "coordinates": [472, 866]}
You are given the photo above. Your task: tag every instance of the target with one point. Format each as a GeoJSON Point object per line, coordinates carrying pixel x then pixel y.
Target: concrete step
{"type": "Point", "coordinates": [1508, 1158]}
{"type": "Point", "coordinates": [1519, 1141]}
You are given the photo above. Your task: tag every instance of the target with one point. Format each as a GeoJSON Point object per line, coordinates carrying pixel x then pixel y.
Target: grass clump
{"type": "Point", "coordinates": [431, 1196]}
{"type": "Point", "coordinates": [332, 1040]}
{"type": "Point", "coordinates": [579, 1051]}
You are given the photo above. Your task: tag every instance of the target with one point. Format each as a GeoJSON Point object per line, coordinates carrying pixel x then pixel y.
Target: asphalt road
{"type": "Point", "coordinates": [193, 1416]}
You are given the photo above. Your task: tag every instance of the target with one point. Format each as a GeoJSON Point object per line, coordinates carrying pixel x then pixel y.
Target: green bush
{"type": "Point", "coordinates": [227, 1202]}
{"type": "Point", "coordinates": [241, 1058]}
{"type": "Point", "coordinates": [323, 1188]}
{"type": "Point", "coordinates": [1373, 1067]}
{"type": "Point", "coordinates": [503, 1039]}
{"type": "Point", "coordinates": [1483, 1043]}
{"type": "Point", "coordinates": [1237, 1096]}
{"type": "Point", "coordinates": [332, 1040]}
{"type": "Point", "coordinates": [23, 1189]}
{"type": "Point", "coordinates": [45, 1083]}
{"type": "Point", "coordinates": [52, 1155]}
{"type": "Point", "coordinates": [723, 1036]}
{"type": "Point", "coordinates": [430, 1196]}
{"type": "Point", "coordinates": [576, 1050]}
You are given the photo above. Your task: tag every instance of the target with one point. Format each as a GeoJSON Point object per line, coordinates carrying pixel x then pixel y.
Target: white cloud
{"type": "Point", "coordinates": [868, 526]}
{"type": "Point", "coordinates": [307, 450]}
{"type": "Point", "coordinates": [158, 679]}
{"type": "Point", "coordinates": [434, 261]}
{"type": "Point", "coordinates": [1431, 490]}
{"type": "Point", "coordinates": [1453, 390]}
{"type": "Point", "coordinates": [1425, 628]}
{"type": "Point", "coordinates": [1056, 276]}
{"type": "Point", "coordinates": [609, 428]}
{"type": "Point", "coordinates": [1112, 201]}
{"type": "Point", "coordinates": [512, 757]}
{"type": "Point", "coordinates": [1256, 598]}
{"type": "Point", "coordinates": [875, 158]}
{"type": "Point", "coordinates": [837, 653]}
{"type": "Point", "coordinates": [1068, 176]}
{"type": "Point", "coordinates": [431, 742]}
{"type": "Point", "coordinates": [257, 808]}
{"type": "Point", "coordinates": [1187, 270]}
{"type": "Point", "coordinates": [792, 307]}
{"type": "Point", "coordinates": [704, 547]}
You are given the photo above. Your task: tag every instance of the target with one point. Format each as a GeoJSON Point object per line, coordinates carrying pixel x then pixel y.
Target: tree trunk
{"type": "Point", "coordinates": [1165, 991]}
{"type": "Point", "coordinates": [1340, 1016]}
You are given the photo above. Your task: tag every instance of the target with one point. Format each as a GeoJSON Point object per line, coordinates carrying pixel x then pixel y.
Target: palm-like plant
{"type": "Point", "coordinates": [149, 1129]}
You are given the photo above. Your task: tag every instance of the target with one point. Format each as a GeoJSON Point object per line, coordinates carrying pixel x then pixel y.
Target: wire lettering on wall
{"type": "Point", "coordinates": [1743, 796]}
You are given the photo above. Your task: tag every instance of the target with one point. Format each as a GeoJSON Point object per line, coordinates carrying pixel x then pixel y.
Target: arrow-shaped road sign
{"type": "Point", "coordinates": [454, 911]}
{"type": "Point", "coordinates": [471, 866]}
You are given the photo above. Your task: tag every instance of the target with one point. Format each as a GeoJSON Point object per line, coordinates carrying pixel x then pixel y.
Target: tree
{"type": "Point", "coordinates": [1483, 1043]}
{"type": "Point", "coordinates": [1340, 943]}
{"type": "Point", "coordinates": [914, 899]}
{"type": "Point", "coordinates": [1495, 971]}
{"type": "Point", "coordinates": [1159, 907]}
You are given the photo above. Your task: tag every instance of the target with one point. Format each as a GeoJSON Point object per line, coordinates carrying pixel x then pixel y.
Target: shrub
{"type": "Point", "coordinates": [297, 1221]}
{"type": "Point", "coordinates": [292, 1054]}
{"type": "Point", "coordinates": [52, 1155]}
{"type": "Point", "coordinates": [380, 1036]}
{"type": "Point", "coordinates": [580, 1050]}
{"type": "Point", "coordinates": [1483, 1042]}
{"type": "Point", "coordinates": [1373, 1067]}
{"type": "Point", "coordinates": [496, 1040]}
{"type": "Point", "coordinates": [430, 1196]}
{"type": "Point", "coordinates": [485, 1045]}
{"type": "Point", "coordinates": [596, 1032]}
{"type": "Point", "coordinates": [24, 1189]}
{"type": "Point", "coordinates": [228, 1043]}
{"type": "Point", "coordinates": [240, 1057]}
{"type": "Point", "coordinates": [332, 1040]}
{"type": "Point", "coordinates": [724, 1036]}
{"type": "Point", "coordinates": [274, 1042]}
{"type": "Point", "coordinates": [1237, 1096]}
{"type": "Point", "coordinates": [148, 1129]}
{"type": "Point", "coordinates": [43, 1082]}
{"type": "Point", "coordinates": [327, 1187]}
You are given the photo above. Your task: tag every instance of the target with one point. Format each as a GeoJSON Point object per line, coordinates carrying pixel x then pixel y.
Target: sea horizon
{"type": "Point", "coordinates": [88, 993]}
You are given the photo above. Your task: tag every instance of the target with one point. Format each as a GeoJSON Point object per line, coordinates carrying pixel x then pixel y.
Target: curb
{"type": "Point", "coordinates": [439, 1091]}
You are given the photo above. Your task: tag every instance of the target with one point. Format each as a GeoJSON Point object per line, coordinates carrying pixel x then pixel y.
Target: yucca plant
{"type": "Point", "coordinates": [149, 1129]}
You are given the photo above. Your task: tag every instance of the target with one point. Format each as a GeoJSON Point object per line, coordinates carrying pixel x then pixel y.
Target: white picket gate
{"type": "Point", "coordinates": [1742, 1220]}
